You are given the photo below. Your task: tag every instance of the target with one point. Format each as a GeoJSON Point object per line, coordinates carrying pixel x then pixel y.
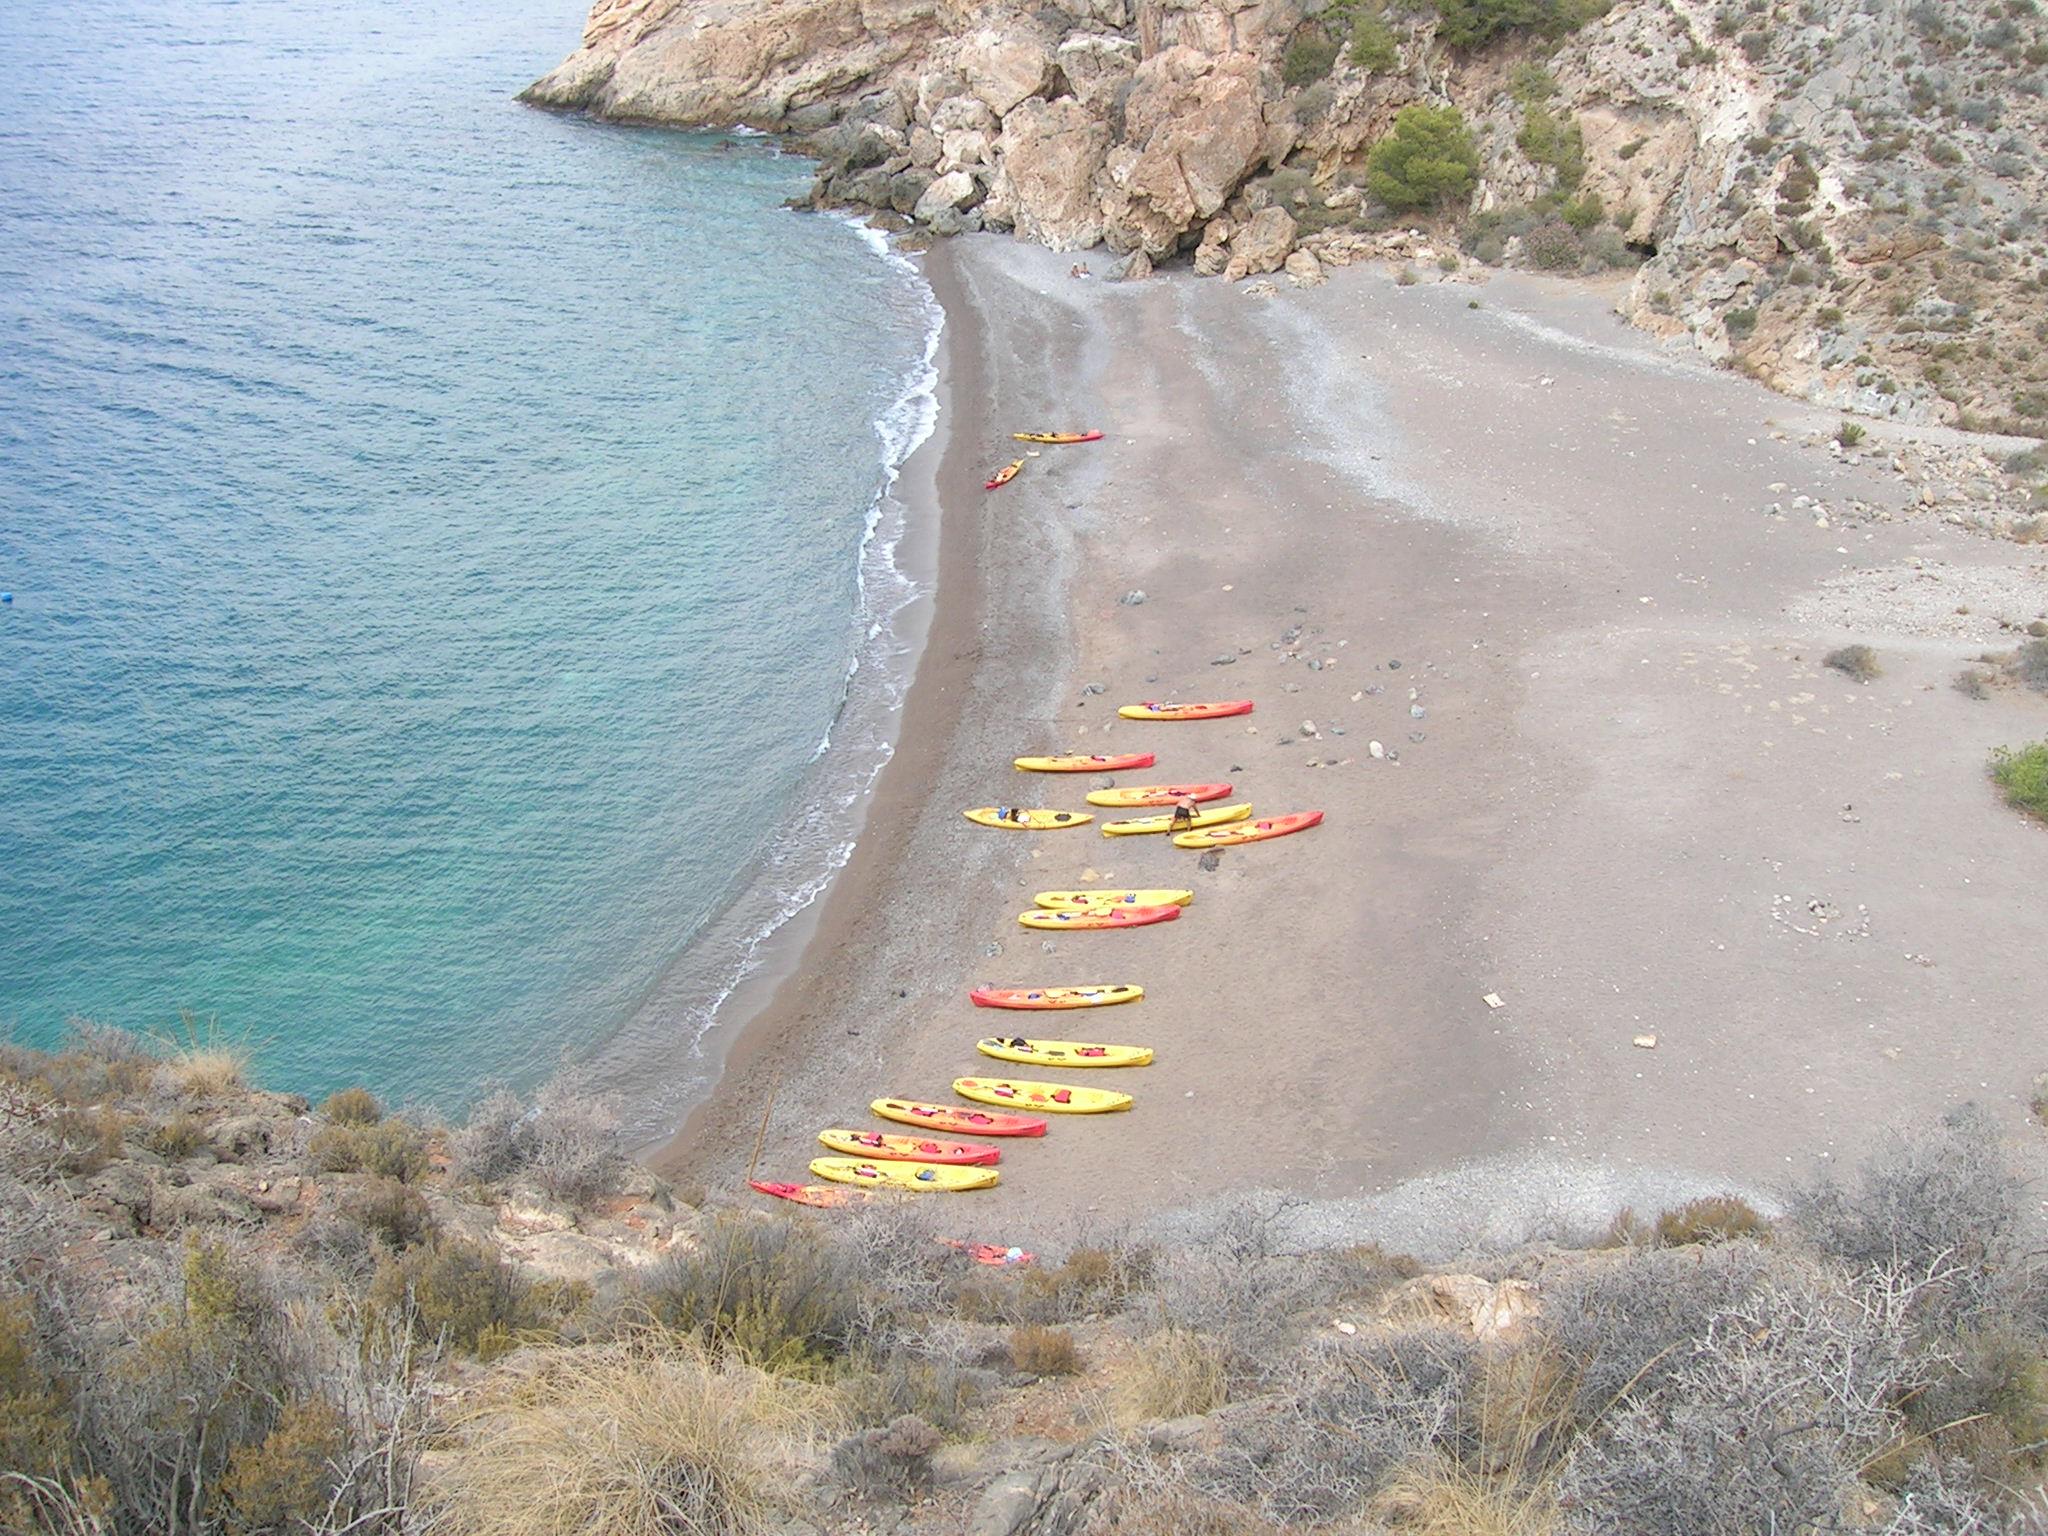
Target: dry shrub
{"type": "Point", "coordinates": [891, 1460]}
{"type": "Point", "coordinates": [390, 1149]}
{"type": "Point", "coordinates": [1044, 1351]}
{"type": "Point", "coordinates": [394, 1213]}
{"type": "Point", "coordinates": [1169, 1375]}
{"type": "Point", "coordinates": [352, 1106]}
{"type": "Point", "coordinates": [1435, 1496]}
{"type": "Point", "coordinates": [628, 1439]}
{"type": "Point", "coordinates": [1857, 661]}
{"type": "Point", "coordinates": [1974, 683]}
{"type": "Point", "coordinates": [1093, 1280]}
{"type": "Point", "coordinates": [286, 1481]}
{"type": "Point", "coordinates": [775, 1291]}
{"type": "Point", "coordinates": [1181, 1512]}
{"type": "Point", "coordinates": [1710, 1219]}
{"type": "Point", "coordinates": [567, 1144]}
{"type": "Point", "coordinates": [465, 1296]}
{"type": "Point", "coordinates": [177, 1138]}
{"type": "Point", "coordinates": [946, 1393]}
{"type": "Point", "coordinates": [2030, 665]}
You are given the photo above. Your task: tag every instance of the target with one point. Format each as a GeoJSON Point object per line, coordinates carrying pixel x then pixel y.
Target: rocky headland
{"type": "Point", "coordinates": [1841, 197]}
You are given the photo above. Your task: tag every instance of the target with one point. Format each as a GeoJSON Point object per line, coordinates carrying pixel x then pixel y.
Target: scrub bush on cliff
{"type": "Point", "coordinates": [1428, 161]}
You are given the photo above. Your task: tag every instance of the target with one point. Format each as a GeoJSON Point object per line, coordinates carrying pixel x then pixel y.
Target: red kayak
{"type": "Point", "coordinates": [1054, 997]}
{"type": "Point", "coordinates": [953, 1117]}
{"type": "Point", "coordinates": [1259, 831]}
{"type": "Point", "coordinates": [1098, 917]}
{"type": "Point", "coordinates": [1003, 476]}
{"type": "Point", "coordinates": [824, 1196]}
{"type": "Point", "coordinates": [990, 1253]}
{"type": "Point", "coordinates": [910, 1149]}
{"type": "Point", "coordinates": [1058, 437]}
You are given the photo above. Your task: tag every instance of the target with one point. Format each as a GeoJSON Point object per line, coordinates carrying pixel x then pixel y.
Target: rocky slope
{"type": "Point", "coordinates": [1840, 196]}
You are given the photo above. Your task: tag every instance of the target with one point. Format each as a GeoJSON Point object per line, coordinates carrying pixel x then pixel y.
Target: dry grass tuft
{"type": "Point", "coordinates": [1433, 1496]}
{"type": "Point", "coordinates": [352, 1106]}
{"type": "Point", "coordinates": [1710, 1219]}
{"type": "Point", "coordinates": [206, 1063]}
{"type": "Point", "coordinates": [1857, 661]}
{"type": "Point", "coordinates": [1170, 1375]}
{"type": "Point", "coordinates": [628, 1439]}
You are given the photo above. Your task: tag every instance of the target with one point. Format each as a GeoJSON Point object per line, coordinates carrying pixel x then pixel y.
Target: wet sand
{"type": "Point", "coordinates": [1617, 790]}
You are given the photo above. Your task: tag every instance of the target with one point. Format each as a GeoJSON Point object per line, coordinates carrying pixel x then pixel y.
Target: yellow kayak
{"type": "Point", "coordinates": [1070, 901]}
{"type": "Point", "coordinates": [886, 1175]}
{"type": "Point", "coordinates": [1017, 820]}
{"type": "Point", "coordinates": [1041, 1098]}
{"type": "Point", "coordinates": [1063, 1053]}
{"type": "Point", "coordinates": [1214, 816]}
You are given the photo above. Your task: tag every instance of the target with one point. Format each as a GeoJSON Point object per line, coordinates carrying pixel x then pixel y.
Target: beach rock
{"type": "Point", "coordinates": [1303, 269]}
{"type": "Point", "coordinates": [1488, 1310]}
{"type": "Point", "coordinates": [1051, 154]}
{"type": "Point", "coordinates": [1136, 268]}
{"type": "Point", "coordinates": [1211, 259]}
{"type": "Point", "coordinates": [1262, 245]}
{"type": "Point", "coordinates": [1194, 129]}
{"type": "Point", "coordinates": [1211, 858]}
{"type": "Point", "coordinates": [1223, 661]}
{"type": "Point", "coordinates": [945, 193]}
{"type": "Point", "coordinates": [1132, 599]}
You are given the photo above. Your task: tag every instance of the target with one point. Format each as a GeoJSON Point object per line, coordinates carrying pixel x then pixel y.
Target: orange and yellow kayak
{"type": "Point", "coordinates": [1249, 831]}
{"type": "Point", "coordinates": [951, 1117]}
{"type": "Point", "coordinates": [1018, 819]}
{"type": "Point", "coordinates": [1098, 917]}
{"type": "Point", "coordinates": [1076, 901]}
{"type": "Point", "coordinates": [1157, 794]}
{"type": "Point", "coordinates": [823, 1196]}
{"type": "Point", "coordinates": [1075, 762]}
{"type": "Point", "coordinates": [1003, 476]}
{"type": "Point", "coordinates": [1054, 997]}
{"type": "Point", "coordinates": [1152, 711]}
{"type": "Point", "coordinates": [909, 1149]}
{"type": "Point", "coordinates": [1053, 1098]}
{"type": "Point", "coordinates": [1057, 437]}
{"type": "Point", "coordinates": [915, 1177]}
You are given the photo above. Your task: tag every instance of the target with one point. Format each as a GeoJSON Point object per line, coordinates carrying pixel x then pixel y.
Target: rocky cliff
{"type": "Point", "coordinates": [1840, 196]}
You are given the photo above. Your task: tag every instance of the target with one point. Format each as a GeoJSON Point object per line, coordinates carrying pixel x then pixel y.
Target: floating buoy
{"type": "Point", "coordinates": [6, 597]}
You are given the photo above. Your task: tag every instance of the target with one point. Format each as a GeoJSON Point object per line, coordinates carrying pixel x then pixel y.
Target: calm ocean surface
{"type": "Point", "coordinates": [442, 539]}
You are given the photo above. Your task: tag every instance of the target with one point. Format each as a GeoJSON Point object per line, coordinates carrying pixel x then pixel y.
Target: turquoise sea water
{"type": "Point", "coordinates": [442, 538]}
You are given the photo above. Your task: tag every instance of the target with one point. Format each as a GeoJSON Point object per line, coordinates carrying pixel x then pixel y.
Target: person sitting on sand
{"type": "Point", "coordinates": [1183, 815]}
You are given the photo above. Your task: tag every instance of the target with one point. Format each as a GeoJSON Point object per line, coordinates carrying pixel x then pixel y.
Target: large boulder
{"type": "Point", "coordinates": [1051, 152]}
{"type": "Point", "coordinates": [1004, 69]}
{"type": "Point", "coordinates": [1262, 245]}
{"type": "Point", "coordinates": [947, 192]}
{"type": "Point", "coordinates": [1194, 129]}
{"type": "Point", "coordinates": [1098, 70]}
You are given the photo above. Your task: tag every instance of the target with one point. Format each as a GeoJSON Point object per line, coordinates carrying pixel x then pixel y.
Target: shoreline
{"type": "Point", "coordinates": [782, 993]}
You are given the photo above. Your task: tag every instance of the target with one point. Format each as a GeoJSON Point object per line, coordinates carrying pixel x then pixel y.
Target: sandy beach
{"type": "Point", "coordinates": [1492, 530]}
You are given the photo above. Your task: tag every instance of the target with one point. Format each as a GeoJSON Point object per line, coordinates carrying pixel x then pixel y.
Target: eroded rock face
{"type": "Point", "coordinates": [1262, 245]}
{"type": "Point", "coordinates": [1052, 151]}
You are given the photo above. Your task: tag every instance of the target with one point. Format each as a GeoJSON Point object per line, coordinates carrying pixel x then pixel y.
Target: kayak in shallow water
{"type": "Point", "coordinates": [1063, 1053]}
{"type": "Point", "coordinates": [1052, 1098]}
{"type": "Point", "coordinates": [1250, 831]}
{"type": "Point", "coordinates": [1018, 819]}
{"type": "Point", "coordinates": [918, 1177]}
{"type": "Point", "coordinates": [1097, 918]}
{"type": "Point", "coordinates": [1157, 794]}
{"type": "Point", "coordinates": [1152, 711]}
{"type": "Point", "coordinates": [1075, 762]}
{"type": "Point", "coordinates": [1054, 997]}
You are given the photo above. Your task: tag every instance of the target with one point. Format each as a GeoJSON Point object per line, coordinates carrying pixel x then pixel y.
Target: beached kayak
{"type": "Point", "coordinates": [1074, 762]}
{"type": "Point", "coordinates": [1020, 820]}
{"type": "Point", "coordinates": [910, 1149]}
{"type": "Point", "coordinates": [1057, 437]}
{"type": "Point", "coordinates": [1052, 1098]}
{"type": "Point", "coordinates": [1098, 917]}
{"type": "Point", "coordinates": [1054, 997]}
{"type": "Point", "coordinates": [1072, 901]}
{"type": "Point", "coordinates": [1151, 711]}
{"type": "Point", "coordinates": [951, 1117]}
{"type": "Point", "coordinates": [1063, 1053]}
{"type": "Point", "coordinates": [1157, 794]}
{"type": "Point", "coordinates": [1003, 476]}
{"type": "Point", "coordinates": [823, 1196]}
{"type": "Point", "coordinates": [941, 1177]}
{"type": "Point", "coordinates": [991, 1253]}
{"type": "Point", "coordinates": [1215, 816]}
{"type": "Point", "coordinates": [1249, 831]}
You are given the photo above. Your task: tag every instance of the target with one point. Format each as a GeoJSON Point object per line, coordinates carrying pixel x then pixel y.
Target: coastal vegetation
{"type": "Point", "coordinates": [2023, 775]}
{"type": "Point", "coordinates": [1427, 161]}
{"type": "Point", "coordinates": [205, 1328]}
